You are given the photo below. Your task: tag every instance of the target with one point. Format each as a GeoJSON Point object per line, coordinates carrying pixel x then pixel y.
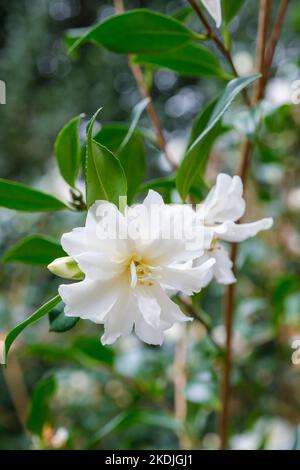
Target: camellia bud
{"type": "Point", "coordinates": [67, 268]}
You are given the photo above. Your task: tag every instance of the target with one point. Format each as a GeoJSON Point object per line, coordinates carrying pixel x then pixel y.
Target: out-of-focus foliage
{"type": "Point", "coordinates": [97, 397]}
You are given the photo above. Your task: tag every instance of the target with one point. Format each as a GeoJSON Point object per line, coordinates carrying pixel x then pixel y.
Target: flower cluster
{"type": "Point", "coordinates": [130, 266]}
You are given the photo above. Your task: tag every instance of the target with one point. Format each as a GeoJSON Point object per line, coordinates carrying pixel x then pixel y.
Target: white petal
{"type": "Point", "coordinates": [222, 270]}
{"type": "Point", "coordinates": [98, 266]}
{"type": "Point", "coordinates": [133, 274]}
{"type": "Point", "coordinates": [120, 320]}
{"type": "Point", "coordinates": [224, 201]}
{"type": "Point", "coordinates": [170, 312]}
{"type": "Point", "coordinates": [75, 242]}
{"type": "Point", "coordinates": [240, 232]}
{"type": "Point", "coordinates": [185, 278]}
{"type": "Point", "coordinates": [153, 198]}
{"type": "Point", "coordinates": [148, 333]}
{"type": "Point", "coordinates": [148, 305]}
{"type": "Point", "coordinates": [101, 210]}
{"type": "Point", "coordinates": [214, 9]}
{"type": "Point", "coordinates": [160, 251]}
{"type": "Point", "coordinates": [106, 229]}
{"type": "Point", "coordinates": [90, 300]}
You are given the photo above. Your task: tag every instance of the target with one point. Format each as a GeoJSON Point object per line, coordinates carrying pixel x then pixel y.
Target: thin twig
{"type": "Point", "coordinates": [211, 34]}
{"type": "Point", "coordinates": [262, 34]}
{"type": "Point", "coordinates": [180, 380]}
{"type": "Point", "coordinates": [243, 170]}
{"type": "Point", "coordinates": [274, 38]}
{"type": "Point", "coordinates": [143, 89]}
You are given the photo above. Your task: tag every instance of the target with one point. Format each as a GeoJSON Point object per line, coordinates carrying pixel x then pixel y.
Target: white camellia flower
{"type": "Point", "coordinates": [215, 10]}
{"type": "Point", "coordinates": [128, 269]}
{"type": "Point", "coordinates": [223, 206]}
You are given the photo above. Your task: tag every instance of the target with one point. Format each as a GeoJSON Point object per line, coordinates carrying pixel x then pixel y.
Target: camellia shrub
{"type": "Point", "coordinates": [149, 247]}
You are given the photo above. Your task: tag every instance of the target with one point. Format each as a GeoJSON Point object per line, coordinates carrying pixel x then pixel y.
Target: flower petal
{"type": "Point", "coordinates": [148, 333]}
{"type": "Point", "coordinates": [222, 269]}
{"type": "Point", "coordinates": [170, 312]}
{"type": "Point", "coordinates": [185, 278]}
{"type": "Point", "coordinates": [120, 320]}
{"type": "Point", "coordinates": [224, 201]}
{"type": "Point", "coordinates": [74, 242]}
{"type": "Point", "coordinates": [90, 300]}
{"type": "Point", "coordinates": [148, 305]}
{"type": "Point", "coordinates": [98, 266]}
{"type": "Point", "coordinates": [153, 198]}
{"type": "Point", "coordinates": [240, 232]}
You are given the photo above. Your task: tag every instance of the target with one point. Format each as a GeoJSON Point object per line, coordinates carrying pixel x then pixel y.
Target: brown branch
{"type": "Point", "coordinates": [274, 38]}
{"type": "Point", "coordinates": [212, 35]}
{"type": "Point", "coordinates": [245, 158]}
{"type": "Point", "coordinates": [143, 89]}
{"type": "Point", "coordinates": [263, 26]}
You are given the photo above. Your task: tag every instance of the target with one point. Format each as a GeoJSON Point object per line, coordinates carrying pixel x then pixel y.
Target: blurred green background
{"type": "Point", "coordinates": [123, 397]}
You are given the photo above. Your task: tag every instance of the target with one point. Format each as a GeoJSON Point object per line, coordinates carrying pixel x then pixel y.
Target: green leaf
{"type": "Point", "coordinates": [230, 8]}
{"type": "Point", "coordinates": [71, 36]}
{"type": "Point", "coordinates": [37, 315]}
{"type": "Point", "coordinates": [190, 59]}
{"type": "Point", "coordinates": [39, 414]}
{"type": "Point", "coordinates": [209, 129]}
{"type": "Point", "coordinates": [86, 351]}
{"type": "Point", "coordinates": [59, 322]}
{"type": "Point", "coordinates": [169, 183]}
{"type": "Point", "coordinates": [139, 31]}
{"type": "Point", "coordinates": [135, 417]}
{"type": "Point", "coordinates": [34, 249]}
{"type": "Point", "coordinates": [183, 13]}
{"type": "Point", "coordinates": [132, 156]}
{"type": "Point", "coordinates": [158, 183]}
{"type": "Point", "coordinates": [20, 197]}
{"type": "Point", "coordinates": [193, 165]}
{"type": "Point", "coordinates": [105, 177]}
{"type": "Point", "coordinates": [91, 347]}
{"type": "Point", "coordinates": [136, 114]}
{"type": "Point", "coordinates": [233, 88]}
{"type": "Point", "coordinates": [67, 150]}
{"type": "Point", "coordinates": [201, 121]}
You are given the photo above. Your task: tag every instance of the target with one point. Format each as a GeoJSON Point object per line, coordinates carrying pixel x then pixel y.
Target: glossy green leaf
{"type": "Point", "coordinates": [71, 36]}
{"type": "Point", "coordinates": [34, 249]}
{"type": "Point", "coordinates": [200, 121]}
{"type": "Point", "coordinates": [39, 414]}
{"type": "Point", "coordinates": [139, 31]}
{"type": "Point", "coordinates": [105, 177]}
{"type": "Point", "coordinates": [230, 9]}
{"type": "Point", "coordinates": [170, 184]}
{"type": "Point", "coordinates": [67, 151]}
{"type": "Point", "coordinates": [190, 59]}
{"type": "Point", "coordinates": [132, 156]}
{"type": "Point", "coordinates": [136, 114]}
{"type": "Point", "coordinates": [209, 129]}
{"type": "Point", "coordinates": [59, 322]}
{"type": "Point", "coordinates": [231, 91]}
{"type": "Point", "coordinates": [193, 165]}
{"type": "Point", "coordinates": [20, 197]}
{"type": "Point", "coordinates": [37, 315]}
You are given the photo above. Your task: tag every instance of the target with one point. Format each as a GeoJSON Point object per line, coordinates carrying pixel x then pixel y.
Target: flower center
{"type": "Point", "coordinates": [141, 273]}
